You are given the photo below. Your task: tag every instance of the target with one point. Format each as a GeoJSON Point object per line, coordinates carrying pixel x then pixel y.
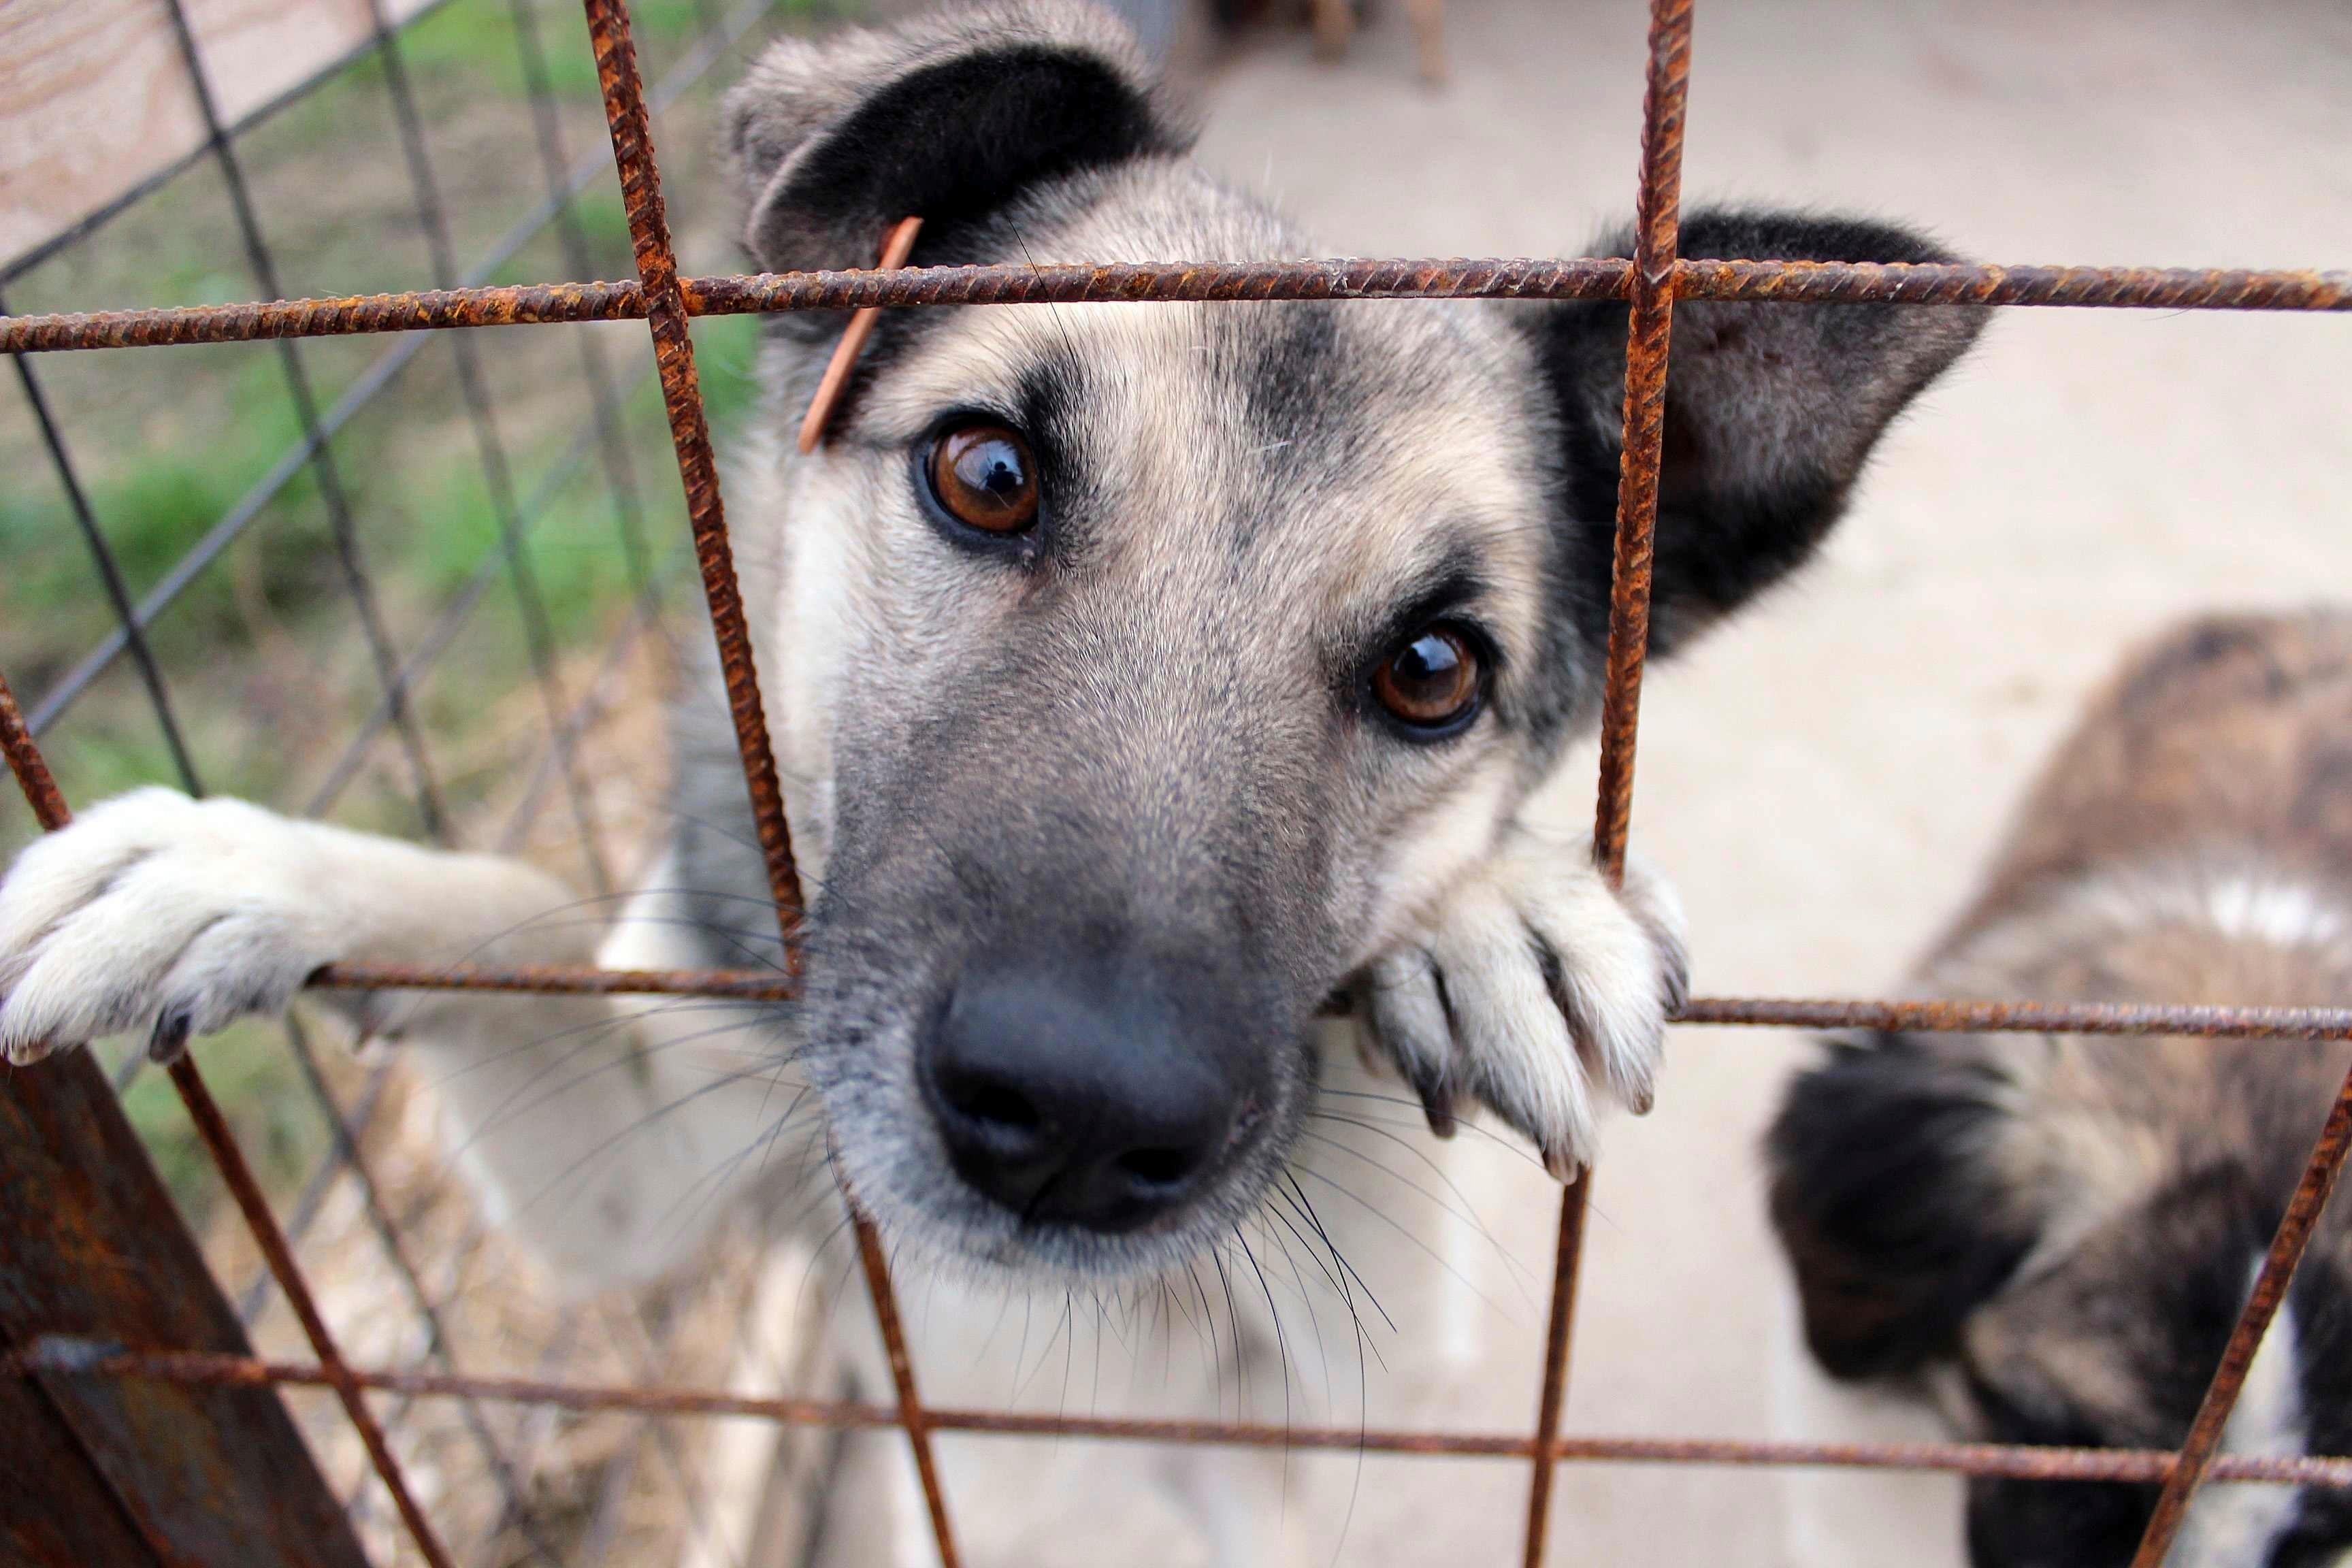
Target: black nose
{"type": "Point", "coordinates": [1086, 1104]}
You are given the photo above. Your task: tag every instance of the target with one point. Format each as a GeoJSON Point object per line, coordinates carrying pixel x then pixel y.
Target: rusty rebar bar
{"type": "Point", "coordinates": [1453, 278]}
{"type": "Point", "coordinates": [1657, 228]}
{"type": "Point", "coordinates": [40, 787]}
{"type": "Point", "coordinates": [666, 314]}
{"type": "Point", "coordinates": [664, 308]}
{"type": "Point", "coordinates": [912, 1418]}
{"type": "Point", "coordinates": [213, 1128]}
{"type": "Point", "coordinates": [62, 1355]}
{"type": "Point", "coordinates": [2198, 1450]}
{"type": "Point", "coordinates": [2204, 1020]}
{"type": "Point", "coordinates": [32, 770]}
{"type": "Point", "coordinates": [743, 984]}
{"type": "Point", "coordinates": [1568, 1254]}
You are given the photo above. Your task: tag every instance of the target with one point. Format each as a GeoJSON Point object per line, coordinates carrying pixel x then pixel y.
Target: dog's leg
{"type": "Point", "coordinates": [173, 917]}
{"type": "Point", "coordinates": [1535, 988]}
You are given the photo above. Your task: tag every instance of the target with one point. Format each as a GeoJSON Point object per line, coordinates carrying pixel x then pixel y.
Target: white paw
{"type": "Point", "coordinates": [1536, 990]}
{"type": "Point", "coordinates": [160, 913]}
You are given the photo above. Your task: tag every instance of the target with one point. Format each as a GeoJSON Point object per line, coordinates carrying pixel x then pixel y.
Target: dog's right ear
{"type": "Point", "coordinates": [1888, 1197]}
{"type": "Point", "coordinates": [946, 117]}
{"type": "Point", "coordinates": [1771, 412]}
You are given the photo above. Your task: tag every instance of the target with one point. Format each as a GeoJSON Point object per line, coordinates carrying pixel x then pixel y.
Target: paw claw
{"type": "Point", "coordinates": [168, 1039]}
{"type": "Point", "coordinates": [1538, 990]}
{"type": "Point", "coordinates": [1437, 1106]}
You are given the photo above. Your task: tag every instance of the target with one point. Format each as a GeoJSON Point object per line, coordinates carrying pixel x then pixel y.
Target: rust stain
{"type": "Point", "coordinates": [59, 1355]}
{"type": "Point", "coordinates": [1586, 277]}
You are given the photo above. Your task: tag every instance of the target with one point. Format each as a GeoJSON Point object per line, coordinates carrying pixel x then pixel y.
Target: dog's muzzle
{"type": "Point", "coordinates": [1087, 1098]}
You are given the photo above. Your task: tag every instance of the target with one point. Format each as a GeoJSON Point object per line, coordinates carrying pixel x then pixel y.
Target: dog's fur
{"type": "Point", "coordinates": [2054, 1235]}
{"type": "Point", "coordinates": [1131, 749]}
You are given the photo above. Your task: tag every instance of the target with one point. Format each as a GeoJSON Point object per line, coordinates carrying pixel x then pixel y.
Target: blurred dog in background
{"type": "Point", "coordinates": [2052, 1236]}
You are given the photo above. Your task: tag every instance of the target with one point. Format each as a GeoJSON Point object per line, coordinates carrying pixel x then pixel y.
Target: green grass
{"type": "Point", "coordinates": [266, 671]}
{"type": "Point", "coordinates": [472, 36]}
{"type": "Point", "coordinates": [252, 1075]}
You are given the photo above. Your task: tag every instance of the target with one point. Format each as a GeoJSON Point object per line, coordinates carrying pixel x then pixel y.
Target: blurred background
{"type": "Point", "coordinates": [429, 585]}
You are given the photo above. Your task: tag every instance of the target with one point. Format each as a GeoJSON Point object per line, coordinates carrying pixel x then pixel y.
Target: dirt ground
{"type": "Point", "coordinates": [1822, 778]}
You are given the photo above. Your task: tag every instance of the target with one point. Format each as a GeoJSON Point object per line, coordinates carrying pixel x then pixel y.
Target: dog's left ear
{"type": "Point", "coordinates": [1892, 1200]}
{"type": "Point", "coordinates": [948, 118]}
{"type": "Point", "coordinates": [1771, 410]}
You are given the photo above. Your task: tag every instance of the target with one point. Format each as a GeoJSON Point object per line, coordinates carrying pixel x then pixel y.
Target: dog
{"type": "Point", "coordinates": [1141, 676]}
{"type": "Point", "coordinates": [2052, 1236]}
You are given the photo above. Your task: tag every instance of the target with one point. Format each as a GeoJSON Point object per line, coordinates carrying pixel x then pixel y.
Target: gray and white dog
{"type": "Point", "coordinates": [2052, 1236]}
{"type": "Point", "coordinates": [1142, 675]}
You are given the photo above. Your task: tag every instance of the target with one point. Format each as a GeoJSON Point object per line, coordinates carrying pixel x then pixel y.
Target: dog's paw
{"type": "Point", "coordinates": [1536, 990]}
{"type": "Point", "coordinates": [160, 913]}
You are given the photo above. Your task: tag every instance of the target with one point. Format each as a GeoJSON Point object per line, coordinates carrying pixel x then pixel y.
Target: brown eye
{"type": "Point", "coordinates": [1431, 680]}
{"type": "Point", "coordinates": [983, 477]}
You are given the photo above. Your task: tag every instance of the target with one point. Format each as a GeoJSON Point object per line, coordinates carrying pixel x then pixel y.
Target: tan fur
{"type": "Point", "coordinates": [2213, 774]}
{"type": "Point", "coordinates": [2056, 1231]}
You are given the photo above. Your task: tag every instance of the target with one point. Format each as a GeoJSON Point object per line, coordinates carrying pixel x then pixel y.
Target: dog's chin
{"type": "Point", "coordinates": [989, 1246]}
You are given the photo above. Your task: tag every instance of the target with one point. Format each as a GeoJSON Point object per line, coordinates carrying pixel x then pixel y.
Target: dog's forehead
{"type": "Point", "coordinates": [1346, 447]}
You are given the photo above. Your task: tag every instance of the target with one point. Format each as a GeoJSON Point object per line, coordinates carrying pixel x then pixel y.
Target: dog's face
{"type": "Point", "coordinates": [1141, 669]}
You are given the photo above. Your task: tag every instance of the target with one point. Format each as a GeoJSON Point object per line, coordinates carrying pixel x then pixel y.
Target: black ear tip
{"type": "Point", "coordinates": [950, 114]}
{"type": "Point", "coordinates": [1778, 234]}
{"type": "Point", "coordinates": [1935, 335]}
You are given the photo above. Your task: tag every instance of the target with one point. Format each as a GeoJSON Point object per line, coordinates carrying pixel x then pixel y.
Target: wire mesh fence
{"type": "Point", "coordinates": [465, 296]}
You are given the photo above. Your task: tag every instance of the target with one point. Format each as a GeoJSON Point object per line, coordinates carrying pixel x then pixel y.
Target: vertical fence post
{"type": "Point", "coordinates": [665, 316]}
{"type": "Point", "coordinates": [101, 1470]}
{"type": "Point", "coordinates": [91, 1248]}
{"type": "Point", "coordinates": [1648, 327]}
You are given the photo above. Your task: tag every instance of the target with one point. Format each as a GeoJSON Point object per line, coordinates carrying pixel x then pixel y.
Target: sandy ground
{"type": "Point", "coordinates": [1822, 778]}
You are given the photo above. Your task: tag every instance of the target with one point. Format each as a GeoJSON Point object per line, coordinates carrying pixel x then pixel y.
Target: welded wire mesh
{"type": "Point", "coordinates": [1651, 280]}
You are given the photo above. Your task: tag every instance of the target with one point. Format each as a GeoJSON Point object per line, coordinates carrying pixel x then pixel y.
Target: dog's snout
{"type": "Point", "coordinates": [1075, 1103]}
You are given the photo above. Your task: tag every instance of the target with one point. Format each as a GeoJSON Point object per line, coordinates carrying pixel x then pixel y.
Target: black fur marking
{"type": "Point", "coordinates": [1296, 402]}
{"type": "Point", "coordinates": [951, 143]}
{"type": "Point", "coordinates": [1895, 1229]}
{"type": "Point", "coordinates": [1771, 413]}
{"type": "Point", "coordinates": [2159, 1288]}
{"type": "Point", "coordinates": [2321, 1300]}
{"type": "Point", "coordinates": [1052, 398]}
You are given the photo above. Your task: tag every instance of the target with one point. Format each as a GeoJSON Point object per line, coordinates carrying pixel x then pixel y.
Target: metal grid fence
{"type": "Point", "coordinates": [1652, 281]}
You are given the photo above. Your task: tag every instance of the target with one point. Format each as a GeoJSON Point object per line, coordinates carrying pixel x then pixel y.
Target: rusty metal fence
{"type": "Point", "coordinates": [1652, 281]}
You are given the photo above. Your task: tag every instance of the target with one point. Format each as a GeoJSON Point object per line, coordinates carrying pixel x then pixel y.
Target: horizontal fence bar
{"type": "Point", "coordinates": [743, 984]}
{"type": "Point", "coordinates": [1936, 1016]}
{"type": "Point", "coordinates": [1814, 282]}
{"type": "Point", "coordinates": [1768, 1012]}
{"type": "Point", "coordinates": [61, 1355]}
